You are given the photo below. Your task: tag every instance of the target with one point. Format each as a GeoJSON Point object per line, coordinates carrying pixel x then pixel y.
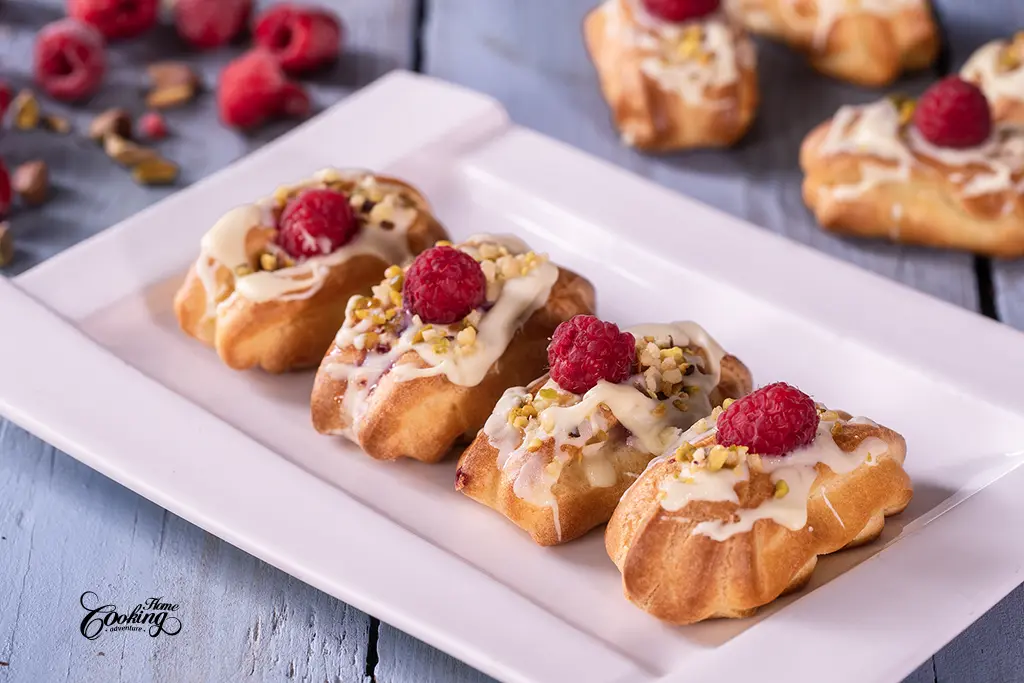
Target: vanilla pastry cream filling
{"type": "Point", "coordinates": [879, 130]}
{"type": "Point", "coordinates": [671, 392]}
{"type": "Point", "coordinates": [711, 473]}
{"type": "Point", "coordinates": [519, 283]}
{"type": "Point", "coordinates": [382, 233]}
{"type": "Point", "coordinates": [998, 69]}
{"type": "Point", "coordinates": [688, 58]}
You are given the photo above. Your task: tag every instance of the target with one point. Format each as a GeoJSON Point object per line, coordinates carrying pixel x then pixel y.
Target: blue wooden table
{"type": "Point", "coordinates": [65, 530]}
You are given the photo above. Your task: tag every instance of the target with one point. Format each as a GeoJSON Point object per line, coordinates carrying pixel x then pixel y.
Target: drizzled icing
{"type": "Point", "coordinates": [578, 424]}
{"type": "Point", "coordinates": [688, 58]}
{"type": "Point", "coordinates": [225, 245]}
{"type": "Point", "coordinates": [514, 294]}
{"type": "Point", "coordinates": [699, 482]}
{"type": "Point", "coordinates": [876, 130]}
{"type": "Point", "coordinates": [998, 81]}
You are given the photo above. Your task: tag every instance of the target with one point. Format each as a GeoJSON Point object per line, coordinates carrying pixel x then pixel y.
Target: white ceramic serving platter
{"type": "Point", "coordinates": [91, 360]}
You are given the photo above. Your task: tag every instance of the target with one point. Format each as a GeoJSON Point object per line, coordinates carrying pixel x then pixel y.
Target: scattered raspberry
{"type": "Point", "coordinates": [774, 420]}
{"type": "Point", "coordinates": [153, 126]}
{"type": "Point", "coordinates": [301, 38]}
{"type": "Point", "coordinates": [954, 113]}
{"type": "Point", "coordinates": [585, 350]}
{"type": "Point", "coordinates": [6, 97]}
{"type": "Point", "coordinates": [444, 285]}
{"type": "Point", "coordinates": [70, 59]}
{"type": "Point", "coordinates": [680, 10]}
{"type": "Point", "coordinates": [253, 89]}
{"type": "Point", "coordinates": [207, 24]}
{"type": "Point", "coordinates": [116, 18]}
{"type": "Point", "coordinates": [6, 193]}
{"type": "Point", "coordinates": [316, 222]}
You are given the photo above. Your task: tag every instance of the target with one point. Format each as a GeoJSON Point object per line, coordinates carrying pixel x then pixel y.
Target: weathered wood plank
{"type": "Point", "coordinates": [404, 659]}
{"type": "Point", "coordinates": [90, 191]}
{"type": "Point", "coordinates": [65, 529]}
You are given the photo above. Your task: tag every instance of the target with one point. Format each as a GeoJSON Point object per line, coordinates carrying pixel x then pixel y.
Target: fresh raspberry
{"type": "Point", "coordinates": [6, 193]}
{"type": "Point", "coordinates": [70, 59]}
{"type": "Point", "coordinates": [444, 285]}
{"type": "Point", "coordinates": [253, 89]}
{"type": "Point", "coordinates": [315, 223]}
{"type": "Point", "coordinates": [586, 350]}
{"type": "Point", "coordinates": [6, 97]}
{"type": "Point", "coordinates": [954, 113]}
{"type": "Point", "coordinates": [774, 420]}
{"type": "Point", "coordinates": [301, 38]}
{"type": "Point", "coordinates": [116, 18]}
{"type": "Point", "coordinates": [153, 126]}
{"type": "Point", "coordinates": [207, 24]}
{"type": "Point", "coordinates": [680, 10]}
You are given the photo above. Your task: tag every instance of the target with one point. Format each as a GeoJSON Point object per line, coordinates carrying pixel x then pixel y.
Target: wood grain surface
{"type": "Point", "coordinates": [65, 529]}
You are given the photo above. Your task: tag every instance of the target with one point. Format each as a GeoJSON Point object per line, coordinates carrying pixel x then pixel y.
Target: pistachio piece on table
{"type": "Point", "coordinates": [127, 152]}
{"type": "Point", "coordinates": [155, 171]}
{"type": "Point", "coordinates": [111, 122]}
{"type": "Point", "coordinates": [26, 110]}
{"type": "Point", "coordinates": [31, 181]}
{"type": "Point", "coordinates": [174, 84]}
{"type": "Point", "coordinates": [57, 124]}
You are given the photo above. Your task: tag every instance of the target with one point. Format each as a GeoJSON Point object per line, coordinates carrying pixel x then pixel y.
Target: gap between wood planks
{"type": "Point", "coordinates": [420, 18]}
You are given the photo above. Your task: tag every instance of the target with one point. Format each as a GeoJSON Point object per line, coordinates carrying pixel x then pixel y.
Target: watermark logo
{"type": "Point", "coordinates": [154, 616]}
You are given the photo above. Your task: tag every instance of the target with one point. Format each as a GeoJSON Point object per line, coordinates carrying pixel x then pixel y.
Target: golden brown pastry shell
{"type": "Point", "coordinates": [682, 578]}
{"type": "Point", "coordinates": [863, 48]}
{"type": "Point", "coordinates": [653, 120]}
{"type": "Point", "coordinates": [424, 417]}
{"type": "Point", "coordinates": [581, 507]}
{"type": "Point", "coordinates": [931, 210]}
{"type": "Point", "coordinates": [281, 336]}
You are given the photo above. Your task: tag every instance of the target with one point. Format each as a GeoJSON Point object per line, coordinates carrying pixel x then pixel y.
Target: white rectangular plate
{"type": "Point", "coordinates": [92, 361]}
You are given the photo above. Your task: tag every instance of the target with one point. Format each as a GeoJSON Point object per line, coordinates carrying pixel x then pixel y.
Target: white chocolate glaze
{"type": "Point", "coordinates": [698, 482]}
{"type": "Point", "coordinates": [998, 83]}
{"type": "Point", "coordinates": [875, 130]}
{"type": "Point", "coordinates": [514, 301]}
{"type": "Point", "coordinates": [728, 51]}
{"type": "Point", "coordinates": [575, 424]}
{"type": "Point", "coordinates": [225, 245]}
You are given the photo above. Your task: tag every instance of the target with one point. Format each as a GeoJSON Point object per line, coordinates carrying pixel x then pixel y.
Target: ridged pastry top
{"type": "Point", "coordinates": [998, 69]}
{"type": "Point", "coordinates": [691, 58]}
{"type": "Point", "coordinates": [385, 213]}
{"type": "Point", "coordinates": [823, 13]}
{"type": "Point", "coordinates": [519, 282]}
{"type": "Point", "coordinates": [679, 365]}
{"type": "Point", "coordinates": [709, 472]}
{"type": "Point", "coordinates": [881, 131]}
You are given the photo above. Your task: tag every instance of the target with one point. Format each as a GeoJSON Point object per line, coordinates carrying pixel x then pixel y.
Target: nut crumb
{"type": "Point", "coordinates": [31, 181]}
{"type": "Point", "coordinates": [26, 110]}
{"type": "Point", "coordinates": [155, 171]}
{"type": "Point", "coordinates": [115, 122]}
